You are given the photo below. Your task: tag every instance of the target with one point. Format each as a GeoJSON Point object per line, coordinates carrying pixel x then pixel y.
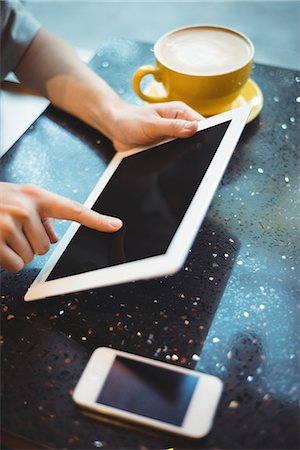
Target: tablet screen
{"type": "Point", "coordinates": [150, 191]}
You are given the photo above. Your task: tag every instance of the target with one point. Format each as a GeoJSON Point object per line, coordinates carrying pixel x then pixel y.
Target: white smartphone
{"type": "Point", "coordinates": [148, 392]}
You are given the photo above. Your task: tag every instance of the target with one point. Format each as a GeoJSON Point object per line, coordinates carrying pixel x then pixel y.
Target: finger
{"type": "Point", "coordinates": [20, 245]}
{"type": "Point", "coordinates": [176, 127]}
{"type": "Point", "coordinates": [37, 235]}
{"type": "Point", "coordinates": [48, 225]}
{"type": "Point", "coordinates": [9, 260]}
{"type": "Point", "coordinates": [178, 110]}
{"type": "Point", "coordinates": [53, 205]}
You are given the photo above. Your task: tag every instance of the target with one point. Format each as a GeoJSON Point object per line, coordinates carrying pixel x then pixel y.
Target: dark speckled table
{"type": "Point", "coordinates": [233, 309]}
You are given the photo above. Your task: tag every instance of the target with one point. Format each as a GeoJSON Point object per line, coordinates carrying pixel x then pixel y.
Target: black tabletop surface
{"type": "Point", "coordinates": [232, 311]}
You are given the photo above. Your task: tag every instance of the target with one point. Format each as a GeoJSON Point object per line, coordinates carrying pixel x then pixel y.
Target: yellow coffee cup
{"type": "Point", "coordinates": [205, 66]}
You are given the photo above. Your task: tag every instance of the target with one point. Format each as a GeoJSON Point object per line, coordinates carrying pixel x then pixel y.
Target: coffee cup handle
{"type": "Point", "coordinates": [136, 83]}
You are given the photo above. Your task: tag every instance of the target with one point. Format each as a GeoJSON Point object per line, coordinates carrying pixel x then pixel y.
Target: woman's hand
{"type": "Point", "coordinates": [137, 126]}
{"type": "Point", "coordinates": [25, 228]}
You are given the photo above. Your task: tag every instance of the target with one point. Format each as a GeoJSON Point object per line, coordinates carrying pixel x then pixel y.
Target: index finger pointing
{"type": "Point", "coordinates": [58, 207]}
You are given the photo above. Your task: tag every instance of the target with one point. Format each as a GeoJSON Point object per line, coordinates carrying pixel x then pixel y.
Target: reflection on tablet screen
{"type": "Point", "coordinates": [150, 191]}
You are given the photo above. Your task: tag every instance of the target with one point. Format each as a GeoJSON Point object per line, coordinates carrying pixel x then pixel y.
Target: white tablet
{"type": "Point", "coordinates": [161, 194]}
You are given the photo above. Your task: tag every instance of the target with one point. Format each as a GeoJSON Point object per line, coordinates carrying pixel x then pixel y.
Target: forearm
{"type": "Point", "coordinates": [52, 68]}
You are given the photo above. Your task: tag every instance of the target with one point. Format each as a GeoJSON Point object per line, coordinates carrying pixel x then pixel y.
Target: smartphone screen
{"type": "Point", "coordinates": [148, 390]}
{"type": "Point", "coordinates": [150, 191]}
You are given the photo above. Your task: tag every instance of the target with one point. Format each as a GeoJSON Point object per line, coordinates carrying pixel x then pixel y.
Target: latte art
{"type": "Point", "coordinates": [203, 51]}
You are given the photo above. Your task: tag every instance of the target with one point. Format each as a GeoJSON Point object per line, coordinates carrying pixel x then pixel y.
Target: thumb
{"type": "Point", "coordinates": [178, 127]}
{"type": "Point", "coordinates": [48, 225]}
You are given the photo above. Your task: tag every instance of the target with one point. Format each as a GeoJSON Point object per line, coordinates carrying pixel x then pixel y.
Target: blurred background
{"type": "Point", "coordinates": [273, 26]}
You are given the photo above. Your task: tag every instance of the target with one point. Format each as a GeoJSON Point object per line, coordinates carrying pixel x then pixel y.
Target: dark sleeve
{"type": "Point", "coordinates": [18, 28]}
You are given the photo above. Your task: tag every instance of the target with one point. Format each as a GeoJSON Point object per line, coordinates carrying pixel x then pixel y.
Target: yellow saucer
{"type": "Point", "coordinates": [250, 94]}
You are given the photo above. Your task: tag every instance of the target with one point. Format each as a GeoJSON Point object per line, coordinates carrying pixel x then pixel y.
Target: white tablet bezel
{"type": "Point", "coordinates": [154, 266]}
